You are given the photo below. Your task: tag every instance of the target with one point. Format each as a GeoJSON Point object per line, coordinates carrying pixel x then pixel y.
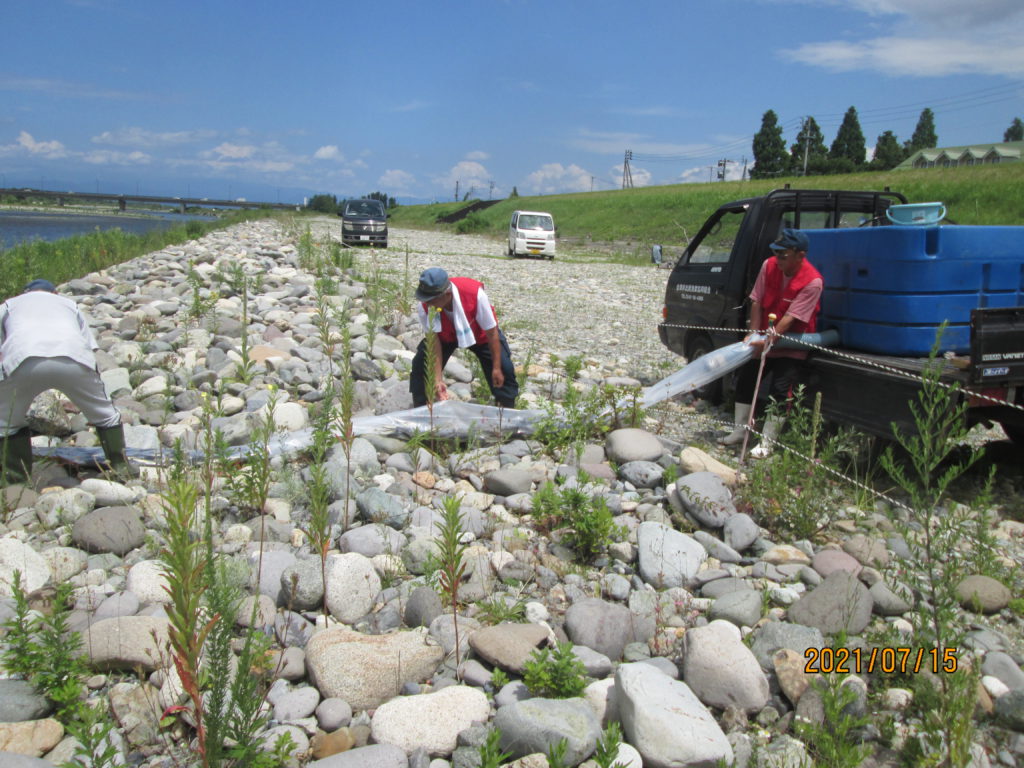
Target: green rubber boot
{"type": "Point", "coordinates": [17, 457]}
{"type": "Point", "coordinates": [112, 440]}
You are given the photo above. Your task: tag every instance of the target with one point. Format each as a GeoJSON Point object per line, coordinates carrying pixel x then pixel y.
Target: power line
{"type": "Point", "coordinates": [872, 116]}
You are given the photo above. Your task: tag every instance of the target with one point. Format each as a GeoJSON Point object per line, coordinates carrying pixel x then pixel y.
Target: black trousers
{"type": "Point", "coordinates": [785, 374]}
{"type": "Point", "coordinates": [505, 395]}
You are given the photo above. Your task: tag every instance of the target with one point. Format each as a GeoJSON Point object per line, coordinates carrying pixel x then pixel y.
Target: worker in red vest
{"type": "Point", "coordinates": [465, 320]}
{"type": "Point", "coordinates": [789, 287]}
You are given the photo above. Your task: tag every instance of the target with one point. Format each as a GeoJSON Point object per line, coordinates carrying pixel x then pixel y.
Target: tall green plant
{"type": "Point", "coordinates": [450, 553]}
{"type": "Point", "coordinates": [933, 528]}
{"type": "Point", "coordinates": [184, 562]}
{"type": "Point", "coordinates": [799, 489]}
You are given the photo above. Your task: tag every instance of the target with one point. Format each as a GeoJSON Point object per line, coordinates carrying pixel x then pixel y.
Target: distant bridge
{"type": "Point", "coordinates": [122, 200]}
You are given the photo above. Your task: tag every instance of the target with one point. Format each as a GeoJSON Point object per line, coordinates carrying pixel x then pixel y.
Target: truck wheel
{"type": "Point", "coordinates": [1015, 432]}
{"type": "Point", "coordinates": [699, 346]}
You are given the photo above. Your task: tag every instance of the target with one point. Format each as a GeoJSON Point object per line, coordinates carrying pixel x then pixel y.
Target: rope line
{"type": "Point", "coordinates": [812, 462]}
{"type": "Point", "coordinates": [861, 361]}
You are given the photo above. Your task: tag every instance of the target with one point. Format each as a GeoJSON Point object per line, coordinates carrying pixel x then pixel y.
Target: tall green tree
{"type": "Point", "coordinates": [389, 202]}
{"type": "Point", "coordinates": [1015, 132]}
{"type": "Point", "coordinates": [323, 203]}
{"type": "Point", "coordinates": [888, 152]}
{"type": "Point", "coordinates": [809, 153]}
{"type": "Point", "coordinates": [924, 134]}
{"type": "Point", "coordinates": [849, 143]}
{"type": "Point", "coordinates": [770, 156]}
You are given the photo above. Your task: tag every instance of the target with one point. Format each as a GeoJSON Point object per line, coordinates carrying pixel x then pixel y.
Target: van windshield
{"type": "Point", "coordinates": [534, 221]}
{"type": "Point", "coordinates": [364, 208]}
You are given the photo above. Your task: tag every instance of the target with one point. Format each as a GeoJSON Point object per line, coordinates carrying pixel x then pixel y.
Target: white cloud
{"type": "Point", "coordinates": [328, 152]}
{"type": "Point", "coordinates": [477, 154]}
{"type": "Point", "coordinates": [396, 182]}
{"type": "Point", "coordinates": [141, 137]}
{"type": "Point", "coordinates": [934, 57]}
{"type": "Point", "coordinates": [551, 178]}
{"type": "Point", "coordinates": [928, 38]}
{"type": "Point", "coordinates": [51, 150]}
{"type": "Point", "coordinates": [467, 174]}
{"type": "Point", "coordinates": [112, 157]}
{"type": "Point", "coordinates": [228, 151]}
{"type": "Point", "coordinates": [705, 173]}
{"type": "Point", "coordinates": [267, 158]}
{"type": "Point", "coordinates": [952, 14]}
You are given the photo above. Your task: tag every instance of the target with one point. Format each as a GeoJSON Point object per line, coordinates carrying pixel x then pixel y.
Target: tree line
{"type": "Point", "coordinates": [808, 155]}
{"type": "Point", "coordinates": [324, 203]}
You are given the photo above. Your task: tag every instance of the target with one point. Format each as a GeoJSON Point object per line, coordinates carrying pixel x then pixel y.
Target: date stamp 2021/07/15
{"type": "Point", "coordinates": [887, 659]}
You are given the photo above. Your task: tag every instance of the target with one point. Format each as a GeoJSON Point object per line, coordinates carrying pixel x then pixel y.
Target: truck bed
{"type": "Point", "coordinates": [873, 399]}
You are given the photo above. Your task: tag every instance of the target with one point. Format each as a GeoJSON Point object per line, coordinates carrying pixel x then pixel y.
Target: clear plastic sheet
{"type": "Point", "coordinates": [454, 419]}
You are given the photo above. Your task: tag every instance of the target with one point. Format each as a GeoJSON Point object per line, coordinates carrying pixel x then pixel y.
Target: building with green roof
{"type": "Point", "coordinates": [975, 154]}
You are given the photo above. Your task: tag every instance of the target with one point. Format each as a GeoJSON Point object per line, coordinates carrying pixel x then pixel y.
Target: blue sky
{"type": "Point", "coordinates": [277, 101]}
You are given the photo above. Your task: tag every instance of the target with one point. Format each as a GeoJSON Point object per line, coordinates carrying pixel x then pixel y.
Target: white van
{"type": "Point", "coordinates": [533, 233]}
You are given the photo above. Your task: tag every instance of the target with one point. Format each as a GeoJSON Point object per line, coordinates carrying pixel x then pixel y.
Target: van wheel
{"type": "Point", "coordinates": [699, 346]}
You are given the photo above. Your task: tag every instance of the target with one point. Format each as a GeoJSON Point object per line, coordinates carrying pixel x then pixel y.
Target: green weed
{"type": "Point", "coordinates": [450, 553]}
{"type": "Point", "coordinates": [836, 741]}
{"type": "Point", "coordinates": [555, 675]}
{"type": "Point", "coordinates": [587, 521]}
{"type": "Point", "coordinates": [934, 530]}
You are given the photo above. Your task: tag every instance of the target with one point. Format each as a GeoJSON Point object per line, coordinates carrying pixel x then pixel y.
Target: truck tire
{"type": "Point", "coordinates": [698, 346]}
{"type": "Point", "coordinates": [1015, 432]}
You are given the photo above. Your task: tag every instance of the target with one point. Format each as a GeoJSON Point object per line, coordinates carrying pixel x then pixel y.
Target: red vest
{"type": "Point", "coordinates": [467, 288]}
{"type": "Point", "coordinates": [777, 300]}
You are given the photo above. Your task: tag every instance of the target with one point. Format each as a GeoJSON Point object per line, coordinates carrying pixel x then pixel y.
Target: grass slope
{"type": "Point", "coordinates": [989, 194]}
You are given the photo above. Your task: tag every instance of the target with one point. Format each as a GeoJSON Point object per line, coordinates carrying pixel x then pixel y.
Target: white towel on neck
{"type": "Point", "coordinates": [463, 332]}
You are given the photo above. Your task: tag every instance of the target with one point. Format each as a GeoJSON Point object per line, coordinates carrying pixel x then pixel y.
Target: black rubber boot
{"type": "Point", "coordinates": [112, 440]}
{"type": "Point", "coordinates": [17, 457]}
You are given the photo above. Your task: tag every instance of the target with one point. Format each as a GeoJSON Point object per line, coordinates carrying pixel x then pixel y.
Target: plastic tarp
{"type": "Point", "coordinates": [455, 419]}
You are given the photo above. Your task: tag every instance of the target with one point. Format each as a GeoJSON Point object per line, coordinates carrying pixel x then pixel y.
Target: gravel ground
{"type": "Point", "coordinates": [608, 312]}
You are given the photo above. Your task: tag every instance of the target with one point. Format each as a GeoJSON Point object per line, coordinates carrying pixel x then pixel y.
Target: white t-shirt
{"type": "Point", "coordinates": [484, 314]}
{"type": "Point", "coordinates": [42, 324]}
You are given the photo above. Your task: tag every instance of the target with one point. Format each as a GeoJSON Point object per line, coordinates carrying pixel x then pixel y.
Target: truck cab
{"type": "Point", "coordinates": [708, 287]}
{"type": "Point", "coordinates": [963, 274]}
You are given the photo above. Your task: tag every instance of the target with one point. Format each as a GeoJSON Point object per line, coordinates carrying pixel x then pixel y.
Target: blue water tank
{"type": "Point", "coordinates": [887, 289]}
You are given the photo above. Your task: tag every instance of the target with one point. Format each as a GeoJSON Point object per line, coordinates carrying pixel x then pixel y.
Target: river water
{"type": "Point", "coordinates": [23, 226]}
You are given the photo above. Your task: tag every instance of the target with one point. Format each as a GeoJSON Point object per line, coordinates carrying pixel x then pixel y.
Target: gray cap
{"type": "Point", "coordinates": [433, 282]}
{"type": "Point", "coordinates": [791, 239]}
{"type": "Point", "coordinates": [40, 285]}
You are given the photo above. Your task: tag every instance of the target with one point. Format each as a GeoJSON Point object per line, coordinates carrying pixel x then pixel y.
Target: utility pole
{"type": "Point", "coordinates": [744, 176]}
{"type": "Point", "coordinates": [627, 175]}
{"type": "Point", "coordinates": [591, 183]}
{"type": "Point", "coordinates": [456, 190]}
{"type": "Point", "coordinates": [490, 194]}
{"type": "Point", "coordinates": [722, 167]}
{"type": "Point", "coordinates": [806, 143]}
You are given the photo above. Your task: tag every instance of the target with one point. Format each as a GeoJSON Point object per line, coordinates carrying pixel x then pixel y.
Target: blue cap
{"type": "Point", "coordinates": [791, 239]}
{"type": "Point", "coordinates": [433, 282]}
{"type": "Point", "coordinates": [40, 285]}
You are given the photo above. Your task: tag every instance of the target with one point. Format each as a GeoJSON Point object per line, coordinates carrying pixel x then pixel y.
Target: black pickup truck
{"type": "Point", "coordinates": [706, 308]}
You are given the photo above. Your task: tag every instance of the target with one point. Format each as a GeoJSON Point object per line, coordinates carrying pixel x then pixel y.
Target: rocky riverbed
{"type": "Point", "coordinates": [694, 625]}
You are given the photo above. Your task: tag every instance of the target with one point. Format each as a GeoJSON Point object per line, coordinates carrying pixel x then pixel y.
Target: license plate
{"type": "Point", "coordinates": [535, 250]}
{"type": "Point", "coordinates": [364, 237]}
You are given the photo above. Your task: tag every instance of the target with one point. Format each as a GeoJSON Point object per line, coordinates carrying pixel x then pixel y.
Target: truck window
{"type": "Point", "coordinates": [714, 244]}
